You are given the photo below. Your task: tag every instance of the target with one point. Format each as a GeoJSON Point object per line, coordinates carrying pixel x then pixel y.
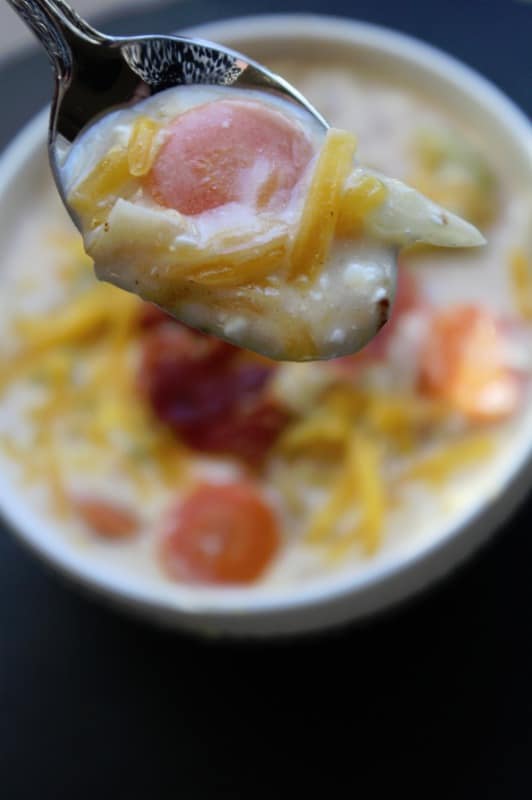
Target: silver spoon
{"type": "Point", "coordinates": [95, 73]}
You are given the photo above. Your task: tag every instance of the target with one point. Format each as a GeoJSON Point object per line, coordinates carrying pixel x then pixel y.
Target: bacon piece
{"type": "Point", "coordinates": [210, 393]}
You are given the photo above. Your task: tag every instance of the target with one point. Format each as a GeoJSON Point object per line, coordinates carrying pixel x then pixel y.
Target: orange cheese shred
{"type": "Point", "coordinates": [321, 208]}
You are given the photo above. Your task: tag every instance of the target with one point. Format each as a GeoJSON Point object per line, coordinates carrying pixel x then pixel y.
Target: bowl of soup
{"type": "Point", "coordinates": [206, 487]}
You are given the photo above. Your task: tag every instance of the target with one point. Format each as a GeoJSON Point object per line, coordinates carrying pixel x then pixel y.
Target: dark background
{"type": "Point", "coordinates": [433, 700]}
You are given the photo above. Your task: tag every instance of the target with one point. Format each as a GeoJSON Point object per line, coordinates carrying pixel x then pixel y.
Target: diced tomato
{"type": "Point", "coordinates": [223, 533]}
{"type": "Point", "coordinates": [228, 151]}
{"type": "Point", "coordinates": [462, 363]}
{"type": "Point", "coordinates": [215, 399]}
{"type": "Point", "coordinates": [407, 298]}
{"type": "Point", "coordinates": [107, 519]}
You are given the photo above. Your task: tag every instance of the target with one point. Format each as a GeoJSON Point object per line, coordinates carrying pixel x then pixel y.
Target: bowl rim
{"type": "Point", "coordinates": [378, 585]}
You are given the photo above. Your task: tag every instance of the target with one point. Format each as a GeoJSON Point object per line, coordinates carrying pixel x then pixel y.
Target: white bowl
{"type": "Point", "coordinates": [332, 599]}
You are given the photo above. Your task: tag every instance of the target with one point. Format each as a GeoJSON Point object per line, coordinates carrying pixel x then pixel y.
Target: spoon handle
{"type": "Point", "coordinates": [79, 25]}
{"type": "Point", "coordinates": [56, 25]}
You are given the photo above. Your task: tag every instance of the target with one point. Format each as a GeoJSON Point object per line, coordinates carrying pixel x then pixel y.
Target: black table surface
{"type": "Point", "coordinates": [433, 699]}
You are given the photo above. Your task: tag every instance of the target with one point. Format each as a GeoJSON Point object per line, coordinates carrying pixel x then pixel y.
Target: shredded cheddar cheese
{"type": "Point", "coordinates": [365, 470]}
{"type": "Point", "coordinates": [251, 264]}
{"type": "Point", "coordinates": [359, 484]}
{"type": "Point", "coordinates": [96, 308]}
{"type": "Point", "coordinates": [342, 496]}
{"type": "Point", "coordinates": [359, 200]}
{"type": "Point", "coordinates": [95, 195]}
{"type": "Point", "coordinates": [521, 282]}
{"type": "Point", "coordinates": [437, 467]}
{"type": "Point", "coordinates": [315, 432]}
{"type": "Point", "coordinates": [142, 147]}
{"type": "Point", "coordinates": [320, 212]}
{"type": "Point", "coordinates": [402, 419]}
{"type": "Point", "coordinates": [88, 413]}
{"type": "Point", "coordinates": [359, 431]}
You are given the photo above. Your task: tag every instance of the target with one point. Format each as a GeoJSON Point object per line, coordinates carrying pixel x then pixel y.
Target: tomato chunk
{"type": "Point", "coordinates": [462, 362]}
{"type": "Point", "coordinates": [107, 519]}
{"type": "Point", "coordinates": [228, 151]}
{"type": "Point", "coordinates": [224, 533]}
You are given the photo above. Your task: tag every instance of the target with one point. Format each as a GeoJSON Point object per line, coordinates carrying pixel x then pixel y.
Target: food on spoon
{"type": "Point", "coordinates": [238, 214]}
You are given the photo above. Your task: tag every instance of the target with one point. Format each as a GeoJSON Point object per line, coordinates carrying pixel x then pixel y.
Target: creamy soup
{"type": "Point", "coordinates": [243, 216]}
{"type": "Point", "coordinates": [181, 459]}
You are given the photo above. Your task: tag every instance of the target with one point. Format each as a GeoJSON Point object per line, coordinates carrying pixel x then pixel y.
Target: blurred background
{"type": "Point", "coordinates": [491, 35]}
{"type": "Point", "coordinates": [434, 698]}
{"type": "Point", "coordinates": [14, 37]}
